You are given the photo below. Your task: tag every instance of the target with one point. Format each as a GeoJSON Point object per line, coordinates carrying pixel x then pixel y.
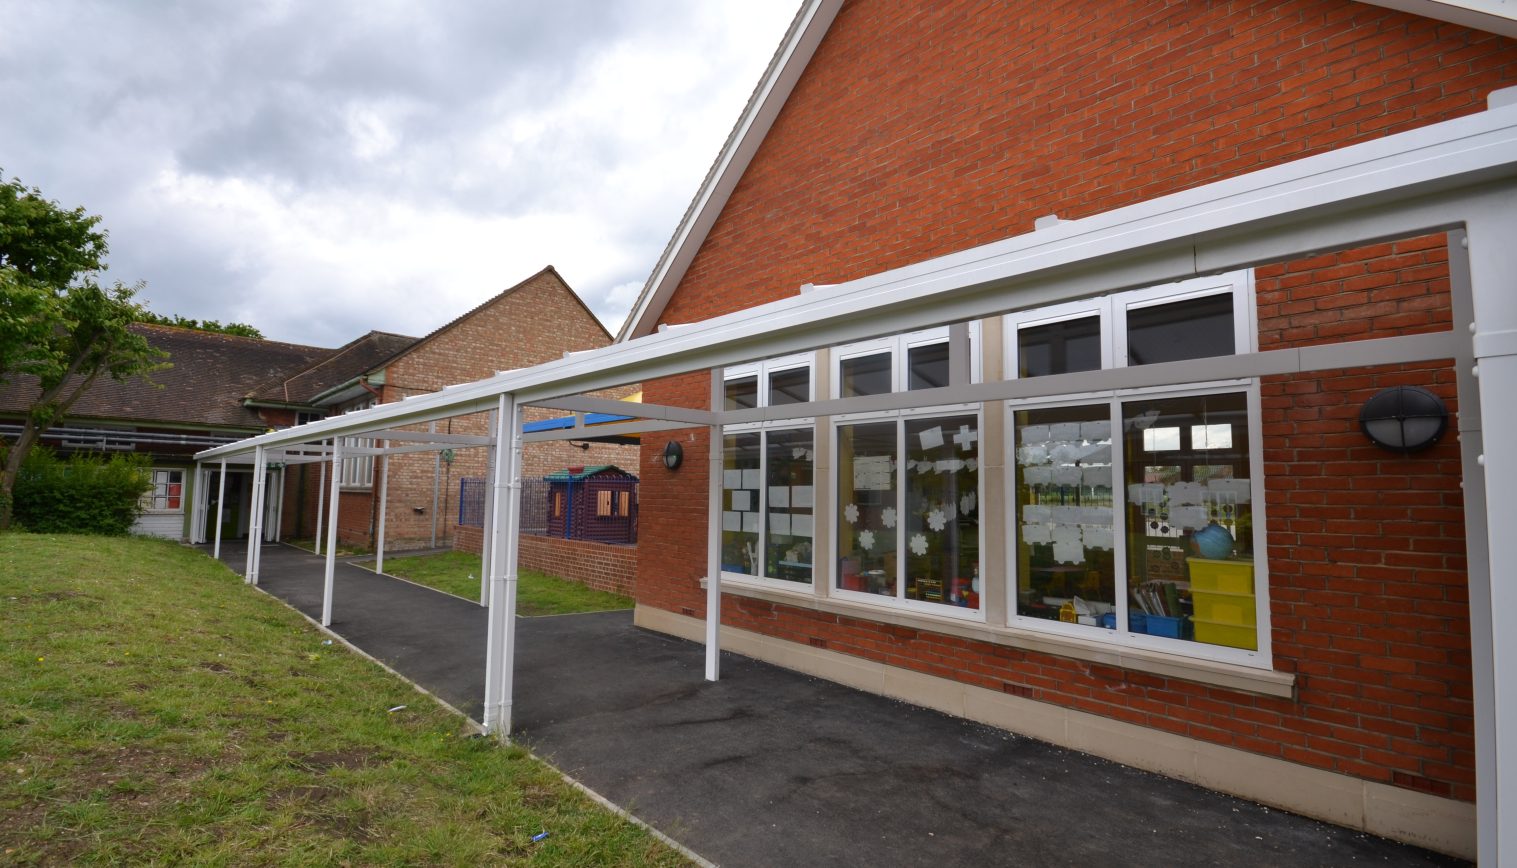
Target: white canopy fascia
{"type": "Point", "coordinates": [1391, 187]}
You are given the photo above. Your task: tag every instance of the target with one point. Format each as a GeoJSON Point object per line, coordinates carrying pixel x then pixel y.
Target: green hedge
{"type": "Point", "coordinates": [84, 494]}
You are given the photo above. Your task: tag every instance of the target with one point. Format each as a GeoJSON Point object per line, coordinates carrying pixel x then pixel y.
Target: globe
{"type": "Point", "coordinates": [1212, 541]}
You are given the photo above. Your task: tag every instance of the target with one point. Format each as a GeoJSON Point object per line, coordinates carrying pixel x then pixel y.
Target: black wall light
{"type": "Point", "coordinates": [1404, 419]}
{"type": "Point", "coordinates": [674, 455]}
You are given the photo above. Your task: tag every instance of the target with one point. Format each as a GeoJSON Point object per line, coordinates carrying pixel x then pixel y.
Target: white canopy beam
{"type": "Point", "coordinates": [608, 429]}
{"type": "Point", "coordinates": [431, 437]}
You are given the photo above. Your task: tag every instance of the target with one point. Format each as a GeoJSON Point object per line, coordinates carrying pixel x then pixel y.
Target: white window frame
{"type": "Point", "coordinates": [899, 347]}
{"type": "Point", "coordinates": [899, 601]}
{"type": "Point", "coordinates": [1112, 309]}
{"type": "Point", "coordinates": [154, 496]}
{"type": "Point", "coordinates": [358, 470]}
{"type": "Point", "coordinates": [761, 372]}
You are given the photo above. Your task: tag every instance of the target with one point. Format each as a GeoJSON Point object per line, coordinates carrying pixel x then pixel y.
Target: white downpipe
{"type": "Point", "coordinates": [436, 484]}
{"type": "Point", "coordinates": [220, 508]}
{"type": "Point", "coordinates": [326, 588]}
{"type": "Point", "coordinates": [500, 641]}
{"type": "Point", "coordinates": [1493, 278]}
{"type": "Point", "coordinates": [255, 519]}
{"type": "Point", "coordinates": [384, 507]}
{"type": "Point", "coordinates": [197, 506]}
{"type": "Point", "coordinates": [321, 499]}
{"type": "Point", "coordinates": [279, 505]}
{"type": "Point", "coordinates": [487, 521]}
{"type": "Point", "coordinates": [714, 540]}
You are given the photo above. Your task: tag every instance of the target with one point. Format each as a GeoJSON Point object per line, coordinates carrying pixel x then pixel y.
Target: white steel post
{"type": "Point", "coordinates": [714, 538]}
{"type": "Point", "coordinates": [197, 498]}
{"type": "Point", "coordinates": [487, 521]}
{"type": "Point", "coordinates": [500, 641]}
{"type": "Point", "coordinates": [384, 507]}
{"type": "Point", "coordinates": [255, 518]}
{"type": "Point", "coordinates": [1493, 286]}
{"type": "Point", "coordinates": [279, 505]}
{"type": "Point", "coordinates": [220, 509]}
{"type": "Point", "coordinates": [436, 483]}
{"type": "Point", "coordinates": [326, 588]}
{"type": "Point", "coordinates": [321, 496]}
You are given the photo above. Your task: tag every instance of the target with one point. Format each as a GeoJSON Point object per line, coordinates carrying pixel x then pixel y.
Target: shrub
{"type": "Point", "coordinates": [83, 494]}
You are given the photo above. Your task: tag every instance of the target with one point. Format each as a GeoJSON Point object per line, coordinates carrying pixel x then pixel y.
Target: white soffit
{"type": "Point", "coordinates": [785, 68]}
{"type": "Point", "coordinates": [1492, 16]}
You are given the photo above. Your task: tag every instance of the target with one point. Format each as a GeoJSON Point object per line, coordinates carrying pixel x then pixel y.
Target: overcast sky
{"type": "Point", "coordinates": [320, 169]}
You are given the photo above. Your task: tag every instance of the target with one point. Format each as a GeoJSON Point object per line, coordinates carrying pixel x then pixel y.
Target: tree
{"type": "Point", "coordinates": [58, 324]}
{"type": "Point", "coordinates": [240, 329]}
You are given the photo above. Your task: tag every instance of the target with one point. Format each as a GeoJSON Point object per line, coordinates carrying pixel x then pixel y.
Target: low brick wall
{"type": "Point", "coordinates": [597, 565]}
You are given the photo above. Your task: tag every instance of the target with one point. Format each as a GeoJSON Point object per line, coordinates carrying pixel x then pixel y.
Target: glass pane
{"type": "Point", "coordinates": [866, 518]}
{"type": "Point", "coordinates": [1190, 519]}
{"type": "Point", "coordinates": [742, 393]}
{"type": "Point", "coordinates": [1066, 566]}
{"type": "Point", "coordinates": [741, 483]}
{"type": "Point", "coordinates": [788, 501]}
{"type": "Point", "coordinates": [1190, 329]}
{"type": "Point", "coordinates": [866, 375]}
{"type": "Point", "coordinates": [792, 386]}
{"type": "Point", "coordinates": [942, 510]}
{"type": "Point", "coordinates": [1059, 347]}
{"type": "Point", "coordinates": [927, 367]}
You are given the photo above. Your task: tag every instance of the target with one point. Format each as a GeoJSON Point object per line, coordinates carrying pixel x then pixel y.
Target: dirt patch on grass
{"type": "Point", "coordinates": [321, 761]}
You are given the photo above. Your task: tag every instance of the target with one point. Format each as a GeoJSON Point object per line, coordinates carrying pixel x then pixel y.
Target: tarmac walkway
{"type": "Point", "coordinates": [771, 767]}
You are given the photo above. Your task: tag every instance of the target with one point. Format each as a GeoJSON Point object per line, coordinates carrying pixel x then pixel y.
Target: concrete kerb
{"type": "Point", "coordinates": [479, 729]}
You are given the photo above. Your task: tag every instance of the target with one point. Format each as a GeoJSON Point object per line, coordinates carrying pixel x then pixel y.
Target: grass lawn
{"type": "Point", "coordinates": [536, 593]}
{"type": "Point", "coordinates": [155, 709]}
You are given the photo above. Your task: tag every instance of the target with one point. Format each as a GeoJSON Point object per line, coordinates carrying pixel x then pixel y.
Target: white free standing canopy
{"type": "Point", "coordinates": [1458, 177]}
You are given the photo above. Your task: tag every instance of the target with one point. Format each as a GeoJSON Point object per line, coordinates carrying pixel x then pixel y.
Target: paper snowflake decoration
{"type": "Point", "coordinates": [918, 544]}
{"type": "Point", "coordinates": [866, 540]}
{"type": "Point", "coordinates": [967, 503]}
{"type": "Point", "coordinates": [851, 512]}
{"type": "Point", "coordinates": [936, 520]}
{"type": "Point", "coordinates": [887, 516]}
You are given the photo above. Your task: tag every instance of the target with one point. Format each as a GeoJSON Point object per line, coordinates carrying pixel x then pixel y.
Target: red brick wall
{"type": "Point", "coordinates": [603, 567]}
{"type": "Point", "coordinates": [921, 129]}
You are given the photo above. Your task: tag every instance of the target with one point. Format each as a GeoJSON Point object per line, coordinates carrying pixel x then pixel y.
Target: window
{"type": "Point", "coordinates": [767, 480]}
{"type": "Point", "coordinates": [167, 493]}
{"type": "Point", "coordinates": [907, 482]}
{"type": "Point", "coordinates": [1133, 510]}
{"type": "Point", "coordinates": [358, 470]}
{"type": "Point", "coordinates": [603, 504]}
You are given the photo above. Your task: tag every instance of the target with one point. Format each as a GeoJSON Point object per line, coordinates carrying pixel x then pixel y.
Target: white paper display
{"type": "Point", "coordinates": [800, 525]}
{"type": "Point", "coordinates": [1096, 430]}
{"type": "Point", "coordinates": [1098, 453]}
{"type": "Point", "coordinates": [1066, 533]}
{"type": "Point", "coordinates": [750, 522]}
{"type": "Point", "coordinates": [872, 473]}
{"type": "Point", "coordinates": [732, 479]}
{"type": "Point", "coordinates": [966, 438]}
{"type": "Point", "coordinates": [1034, 514]}
{"type": "Point", "coordinates": [1067, 476]}
{"type": "Point", "coordinates": [1095, 515]}
{"type": "Point", "coordinates": [779, 523]}
{"type": "Point", "coordinates": [1064, 431]}
{"type": "Point", "coordinates": [1034, 433]}
{"type": "Point", "coordinates": [1068, 552]}
{"type": "Point", "coordinates": [1185, 492]}
{"type": "Point", "coordinates": [1032, 455]}
{"type": "Point", "coordinates": [800, 496]}
{"type": "Point", "coordinates": [1034, 534]}
{"type": "Point", "coordinates": [732, 521]}
{"type": "Point", "coordinates": [932, 438]}
{"type": "Point", "coordinates": [1065, 453]}
{"type": "Point", "coordinates": [1096, 477]}
{"type": "Point", "coordinates": [742, 500]}
{"type": "Point", "coordinates": [1238, 488]}
{"type": "Point", "coordinates": [1038, 475]}
{"type": "Point", "coordinates": [779, 496]}
{"type": "Point", "coordinates": [753, 479]}
{"type": "Point", "coordinates": [1188, 517]}
{"type": "Point", "coordinates": [1145, 492]}
{"type": "Point", "coordinates": [1096, 536]}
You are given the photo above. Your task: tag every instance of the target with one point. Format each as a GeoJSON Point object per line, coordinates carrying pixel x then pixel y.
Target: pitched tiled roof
{"type": "Point", "coordinates": [341, 365]}
{"type": "Point", "coordinates": [210, 375]}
